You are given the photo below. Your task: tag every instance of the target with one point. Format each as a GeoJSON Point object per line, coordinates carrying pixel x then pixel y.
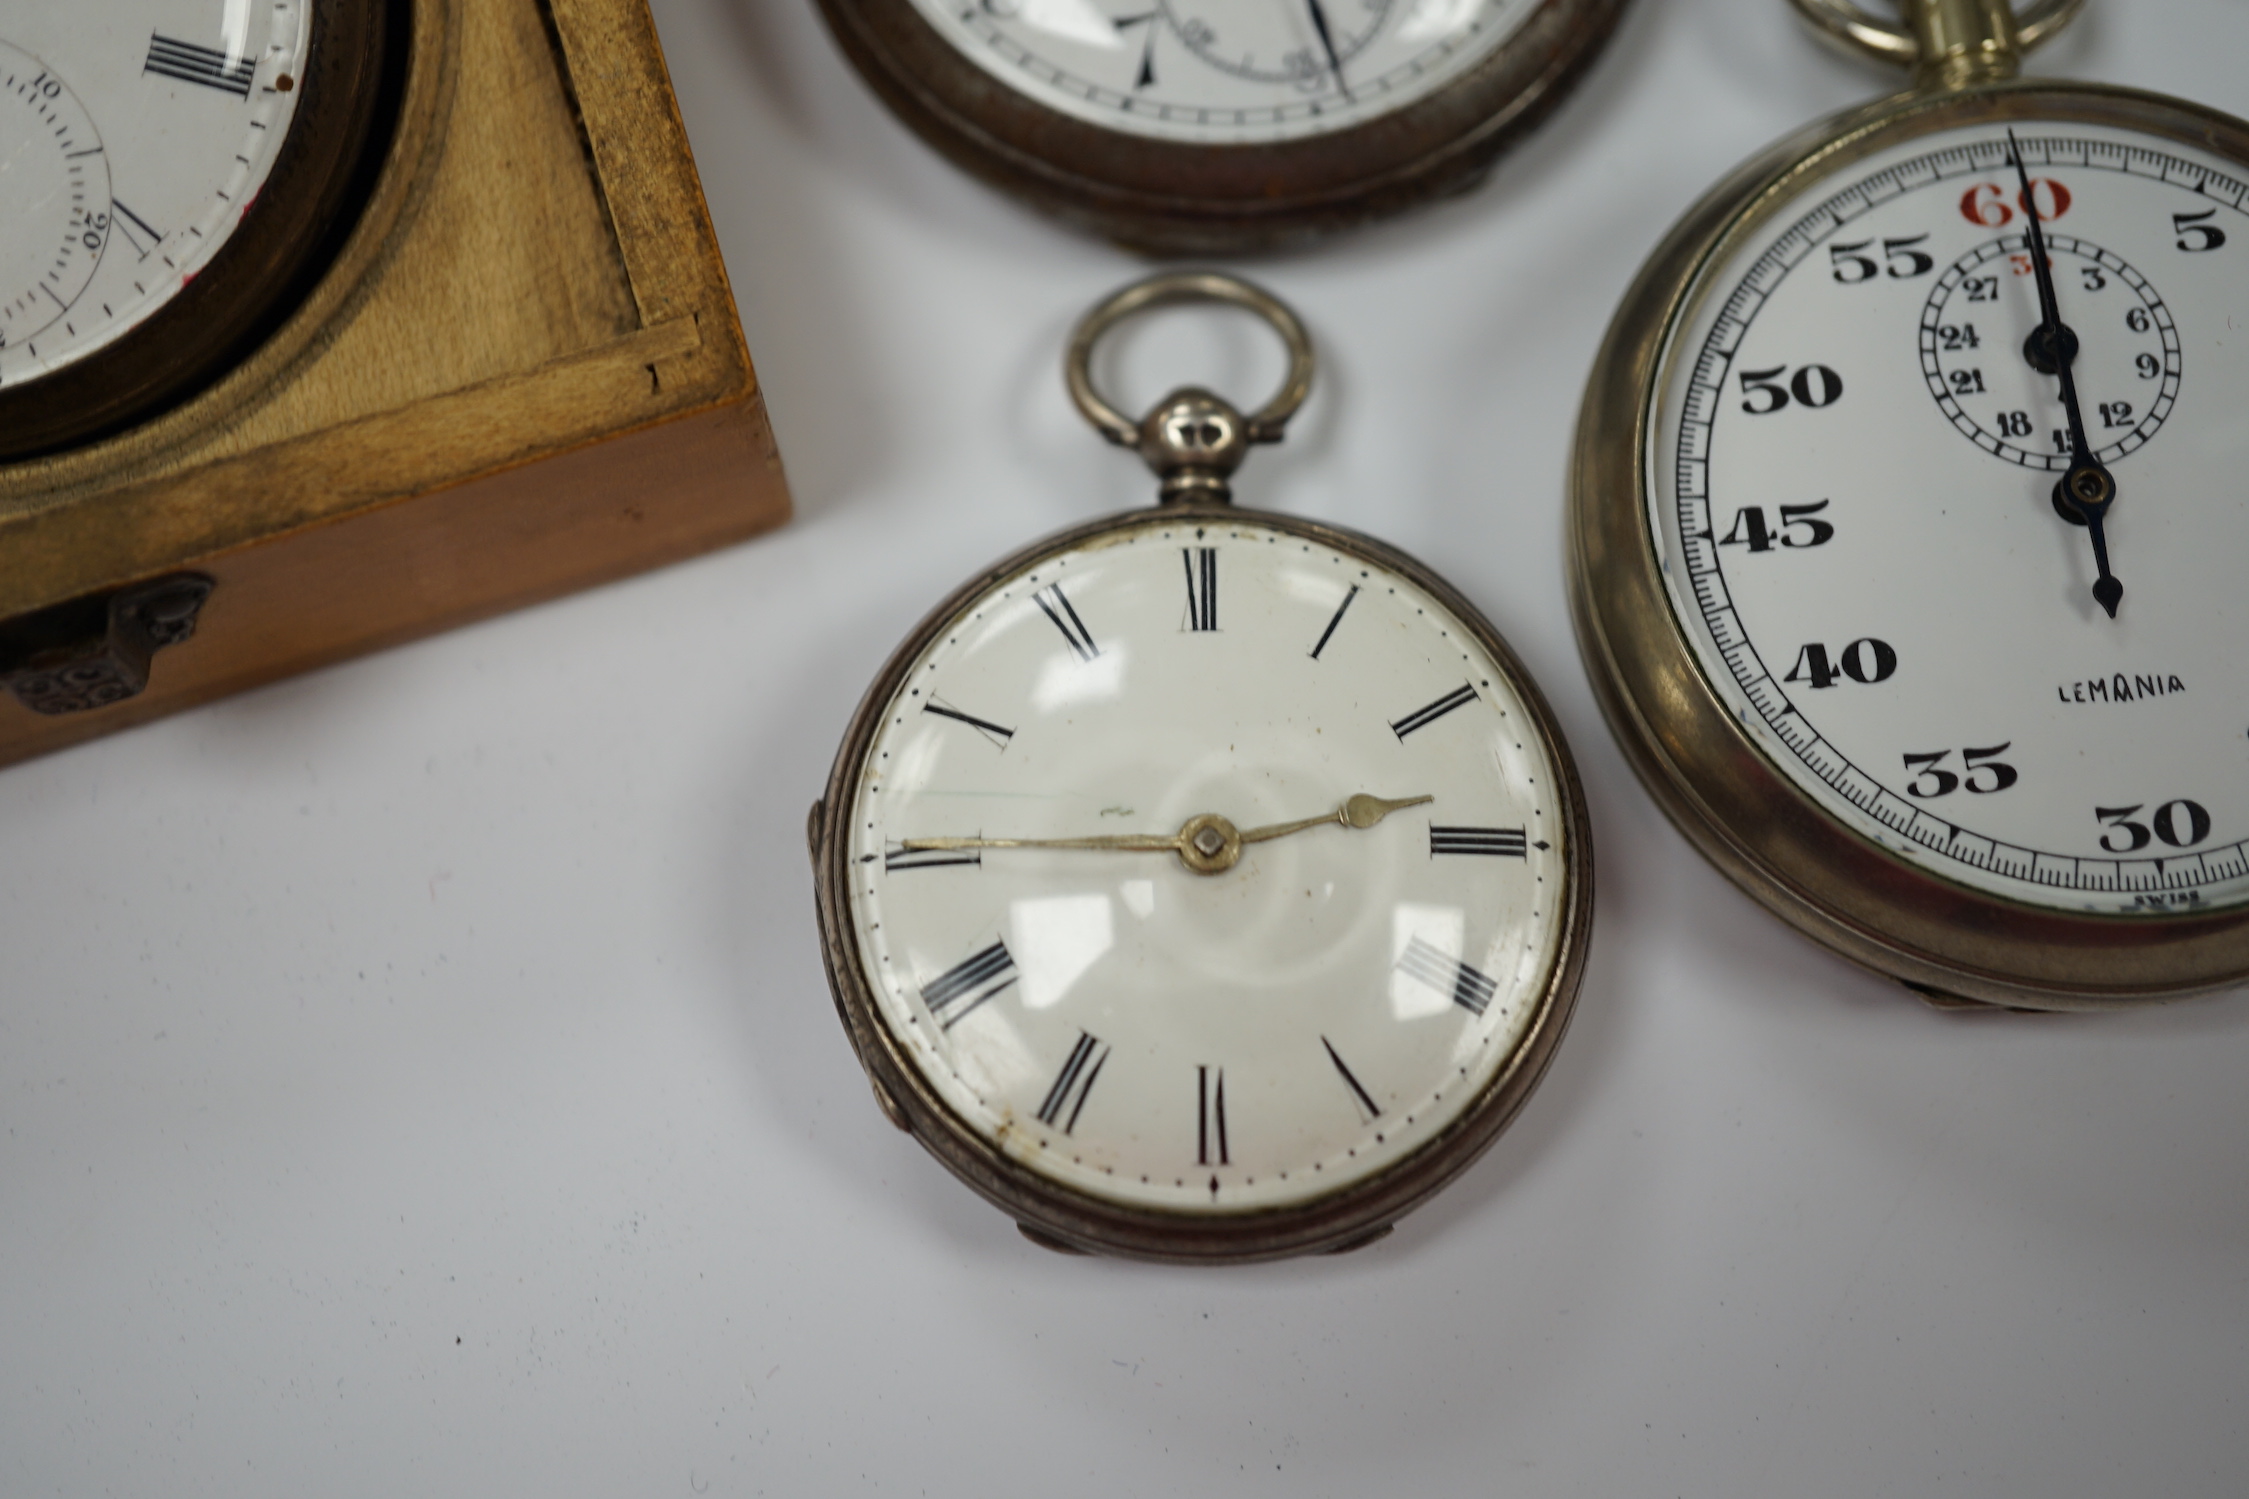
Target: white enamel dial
{"type": "Point", "coordinates": [133, 136]}
{"type": "Point", "coordinates": [1212, 1043]}
{"type": "Point", "coordinates": [1851, 491]}
{"type": "Point", "coordinates": [1226, 71]}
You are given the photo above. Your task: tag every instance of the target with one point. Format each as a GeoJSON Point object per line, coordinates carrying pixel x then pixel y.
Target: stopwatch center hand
{"type": "Point", "coordinates": [2088, 488]}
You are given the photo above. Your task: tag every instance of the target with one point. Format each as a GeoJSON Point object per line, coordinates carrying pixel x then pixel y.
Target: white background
{"type": "Point", "coordinates": [418, 1078]}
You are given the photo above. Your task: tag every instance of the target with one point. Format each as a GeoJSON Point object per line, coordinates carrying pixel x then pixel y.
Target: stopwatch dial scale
{"type": "Point", "coordinates": [1833, 606]}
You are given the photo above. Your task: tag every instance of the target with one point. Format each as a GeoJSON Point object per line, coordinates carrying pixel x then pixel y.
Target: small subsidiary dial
{"type": "Point", "coordinates": [57, 186]}
{"type": "Point", "coordinates": [1996, 385]}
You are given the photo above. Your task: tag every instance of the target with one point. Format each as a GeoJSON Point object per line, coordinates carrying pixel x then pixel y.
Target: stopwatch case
{"type": "Point", "coordinates": [1952, 943]}
{"type": "Point", "coordinates": [1177, 198]}
{"type": "Point", "coordinates": [1059, 1217]}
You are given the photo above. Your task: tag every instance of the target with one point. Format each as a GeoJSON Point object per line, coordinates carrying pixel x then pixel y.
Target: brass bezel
{"type": "Point", "coordinates": [1071, 1219]}
{"type": "Point", "coordinates": [1745, 814]}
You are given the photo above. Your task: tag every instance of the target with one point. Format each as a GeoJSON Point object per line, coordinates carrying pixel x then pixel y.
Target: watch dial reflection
{"type": "Point", "coordinates": [1208, 1042]}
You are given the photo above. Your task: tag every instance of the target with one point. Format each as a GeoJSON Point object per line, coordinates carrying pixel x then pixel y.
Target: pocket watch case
{"type": "Point", "coordinates": [521, 373]}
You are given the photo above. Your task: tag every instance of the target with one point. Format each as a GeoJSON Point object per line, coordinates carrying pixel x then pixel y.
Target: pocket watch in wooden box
{"type": "Point", "coordinates": [324, 323]}
{"type": "Point", "coordinates": [1217, 126]}
{"type": "Point", "coordinates": [1203, 884]}
{"type": "Point", "coordinates": [1907, 522]}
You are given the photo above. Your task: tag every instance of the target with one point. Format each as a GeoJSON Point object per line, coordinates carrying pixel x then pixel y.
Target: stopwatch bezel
{"type": "Point", "coordinates": [1738, 807]}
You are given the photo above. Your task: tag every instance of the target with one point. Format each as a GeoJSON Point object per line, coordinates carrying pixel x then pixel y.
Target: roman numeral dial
{"type": "Point", "coordinates": [1205, 867]}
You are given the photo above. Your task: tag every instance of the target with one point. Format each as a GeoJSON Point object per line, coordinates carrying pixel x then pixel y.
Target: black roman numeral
{"type": "Point", "coordinates": [1469, 989]}
{"type": "Point", "coordinates": [1366, 1102]}
{"type": "Point", "coordinates": [992, 731]}
{"type": "Point", "coordinates": [1210, 1129]}
{"type": "Point", "coordinates": [1334, 620]}
{"type": "Point", "coordinates": [1202, 586]}
{"type": "Point", "coordinates": [1504, 842]}
{"type": "Point", "coordinates": [974, 980]}
{"type": "Point", "coordinates": [1075, 1082]}
{"type": "Point", "coordinates": [929, 858]}
{"type": "Point", "coordinates": [1066, 620]}
{"type": "Point", "coordinates": [1422, 718]}
{"type": "Point", "coordinates": [127, 221]}
{"type": "Point", "coordinates": [208, 66]}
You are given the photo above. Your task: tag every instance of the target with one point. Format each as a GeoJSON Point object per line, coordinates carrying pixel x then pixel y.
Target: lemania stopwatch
{"type": "Point", "coordinates": [1203, 884]}
{"type": "Point", "coordinates": [1907, 517]}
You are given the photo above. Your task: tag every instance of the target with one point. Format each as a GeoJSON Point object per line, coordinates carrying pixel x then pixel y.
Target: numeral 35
{"type": "Point", "coordinates": [1984, 774]}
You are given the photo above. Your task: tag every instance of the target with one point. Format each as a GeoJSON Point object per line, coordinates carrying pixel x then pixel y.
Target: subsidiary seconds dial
{"type": "Point", "coordinates": [54, 154]}
{"type": "Point", "coordinates": [2000, 396]}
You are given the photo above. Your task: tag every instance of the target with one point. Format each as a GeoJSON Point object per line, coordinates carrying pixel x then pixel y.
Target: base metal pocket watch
{"type": "Point", "coordinates": [1212, 126]}
{"type": "Point", "coordinates": [1908, 518]}
{"type": "Point", "coordinates": [1201, 884]}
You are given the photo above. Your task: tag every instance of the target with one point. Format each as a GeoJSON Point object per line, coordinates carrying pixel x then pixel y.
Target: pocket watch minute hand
{"type": "Point", "coordinates": [2088, 489]}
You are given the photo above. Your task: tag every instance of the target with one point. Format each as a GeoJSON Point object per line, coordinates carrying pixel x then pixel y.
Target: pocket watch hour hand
{"type": "Point", "coordinates": [2088, 489]}
{"type": "Point", "coordinates": [1361, 811]}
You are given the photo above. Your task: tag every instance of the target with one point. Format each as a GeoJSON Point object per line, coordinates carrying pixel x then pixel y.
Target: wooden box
{"type": "Point", "coordinates": [522, 375]}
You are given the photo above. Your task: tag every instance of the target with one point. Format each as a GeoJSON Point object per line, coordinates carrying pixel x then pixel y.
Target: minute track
{"type": "Point", "coordinates": [1707, 578]}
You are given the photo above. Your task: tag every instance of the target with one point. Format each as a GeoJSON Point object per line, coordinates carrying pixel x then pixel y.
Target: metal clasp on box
{"type": "Point", "coordinates": [91, 652]}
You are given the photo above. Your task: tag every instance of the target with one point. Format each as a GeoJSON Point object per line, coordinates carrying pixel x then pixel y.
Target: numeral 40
{"type": "Point", "coordinates": [1864, 660]}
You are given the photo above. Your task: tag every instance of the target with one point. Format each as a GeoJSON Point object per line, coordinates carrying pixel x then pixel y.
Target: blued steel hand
{"type": "Point", "coordinates": [1205, 843]}
{"type": "Point", "coordinates": [1327, 45]}
{"type": "Point", "coordinates": [2088, 488]}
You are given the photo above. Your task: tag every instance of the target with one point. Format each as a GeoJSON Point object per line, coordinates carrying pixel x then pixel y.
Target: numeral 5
{"type": "Point", "coordinates": [2194, 235]}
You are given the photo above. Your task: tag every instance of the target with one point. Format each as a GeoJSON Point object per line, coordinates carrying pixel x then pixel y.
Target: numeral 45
{"type": "Point", "coordinates": [1984, 774]}
{"type": "Point", "coordinates": [1799, 527]}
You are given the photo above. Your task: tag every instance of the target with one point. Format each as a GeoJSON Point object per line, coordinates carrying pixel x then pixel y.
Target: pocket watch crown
{"type": "Point", "coordinates": [1194, 440]}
